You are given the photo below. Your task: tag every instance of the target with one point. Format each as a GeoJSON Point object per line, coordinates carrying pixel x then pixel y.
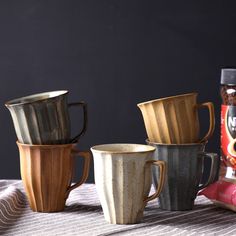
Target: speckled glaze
{"type": "Point", "coordinates": [44, 118]}
{"type": "Point", "coordinates": [123, 180]}
{"type": "Point", "coordinates": [185, 166]}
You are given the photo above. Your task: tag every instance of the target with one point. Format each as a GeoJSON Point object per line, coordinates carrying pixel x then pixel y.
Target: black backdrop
{"type": "Point", "coordinates": [112, 54]}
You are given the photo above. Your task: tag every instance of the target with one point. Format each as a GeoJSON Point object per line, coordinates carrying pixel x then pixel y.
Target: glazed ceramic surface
{"type": "Point", "coordinates": [47, 171]}
{"type": "Point", "coordinates": [44, 118]}
{"type": "Point", "coordinates": [185, 167]}
{"type": "Point", "coordinates": [123, 180]}
{"type": "Point", "coordinates": [174, 120]}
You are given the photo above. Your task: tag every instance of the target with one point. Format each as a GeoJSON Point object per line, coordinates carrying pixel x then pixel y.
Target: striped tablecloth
{"type": "Point", "coordinates": [83, 216]}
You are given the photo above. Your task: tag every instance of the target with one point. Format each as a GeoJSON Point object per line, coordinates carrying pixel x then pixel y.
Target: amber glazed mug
{"type": "Point", "coordinates": [174, 120]}
{"type": "Point", "coordinates": [47, 172]}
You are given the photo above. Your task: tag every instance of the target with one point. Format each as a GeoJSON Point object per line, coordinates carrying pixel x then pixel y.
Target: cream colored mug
{"type": "Point", "coordinates": [174, 120]}
{"type": "Point", "coordinates": [123, 180]}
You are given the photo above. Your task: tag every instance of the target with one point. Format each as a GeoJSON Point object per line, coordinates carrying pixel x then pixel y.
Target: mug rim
{"type": "Point", "coordinates": [96, 148]}
{"type": "Point", "coordinates": [167, 98]}
{"type": "Point", "coordinates": [18, 101]}
{"type": "Point", "coordinates": [43, 145]}
{"type": "Point", "coordinates": [176, 144]}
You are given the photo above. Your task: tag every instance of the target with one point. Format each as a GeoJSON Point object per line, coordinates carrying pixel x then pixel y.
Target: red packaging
{"type": "Point", "coordinates": [228, 135]}
{"type": "Point", "coordinates": [222, 193]}
{"type": "Point", "coordinates": [228, 117]}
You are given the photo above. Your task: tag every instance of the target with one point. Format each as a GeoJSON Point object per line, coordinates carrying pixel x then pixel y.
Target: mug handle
{"type": "Point", "coordinates": [210, 107]}
{"type": "Point", "coordinates": [213, 170]}
{"type": "Point", "coordinates": [85, 114]}
{"type": "Point", "coordinates": [87, 158]}
{"type": "Point", "coordinates": [162, 166]}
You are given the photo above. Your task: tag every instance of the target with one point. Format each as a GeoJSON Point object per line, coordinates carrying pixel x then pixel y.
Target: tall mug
{"type": "Point", "coordinates": [174, 120]}
{"type": "Point", "coordinates": [123, 180]}
{"type": "Point", "coordinates": [47, 171]}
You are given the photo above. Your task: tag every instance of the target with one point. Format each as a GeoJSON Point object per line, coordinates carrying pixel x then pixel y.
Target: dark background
{"type": "Point", "coordinates": [113, 55]}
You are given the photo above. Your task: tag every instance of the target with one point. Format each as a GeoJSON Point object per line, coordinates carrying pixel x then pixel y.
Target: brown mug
{"type": "Point", "coordinates": [47, 172]}
{"type": "Point", "coordinates": [174, 120]}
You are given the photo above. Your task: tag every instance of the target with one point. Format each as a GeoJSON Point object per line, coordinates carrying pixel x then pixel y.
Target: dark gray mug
{"type": "Point", "coordinates": [185, 167]}
{"type": "Point", "coordinates": [43, 118]}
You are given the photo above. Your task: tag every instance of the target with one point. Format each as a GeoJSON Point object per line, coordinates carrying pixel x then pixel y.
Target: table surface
{"type": "Point", "coordinates": [83, 216]}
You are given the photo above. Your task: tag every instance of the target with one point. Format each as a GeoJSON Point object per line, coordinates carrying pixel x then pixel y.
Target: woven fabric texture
{"type": "Point", "coordinates": [83, 216]}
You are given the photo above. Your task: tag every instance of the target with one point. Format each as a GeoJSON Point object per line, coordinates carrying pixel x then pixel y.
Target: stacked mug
{"type": "Point", "coordinates": [172, 126]}
{"type": "Point", "coordinates": [47, 151]}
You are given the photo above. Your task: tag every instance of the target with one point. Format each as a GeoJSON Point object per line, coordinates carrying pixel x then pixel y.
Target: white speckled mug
{"type": "Point", "coordinates": [123, 180]}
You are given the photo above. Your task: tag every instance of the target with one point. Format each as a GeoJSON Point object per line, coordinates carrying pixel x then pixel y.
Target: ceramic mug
{"type": "Point", "coordinates": [47, 172]}
{"type": "Point", "coordinates": [174, 120]}
{"type": "Point", "coordinates": [44, 118]}
{"type": "Point", "coordinates": [123, 180]}
{"type": "Point", "coordinates": [185, 167]}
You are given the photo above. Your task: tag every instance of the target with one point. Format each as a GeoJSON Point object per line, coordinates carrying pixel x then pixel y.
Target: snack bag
{"type": "Point", "coordinates": [222, 193]}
